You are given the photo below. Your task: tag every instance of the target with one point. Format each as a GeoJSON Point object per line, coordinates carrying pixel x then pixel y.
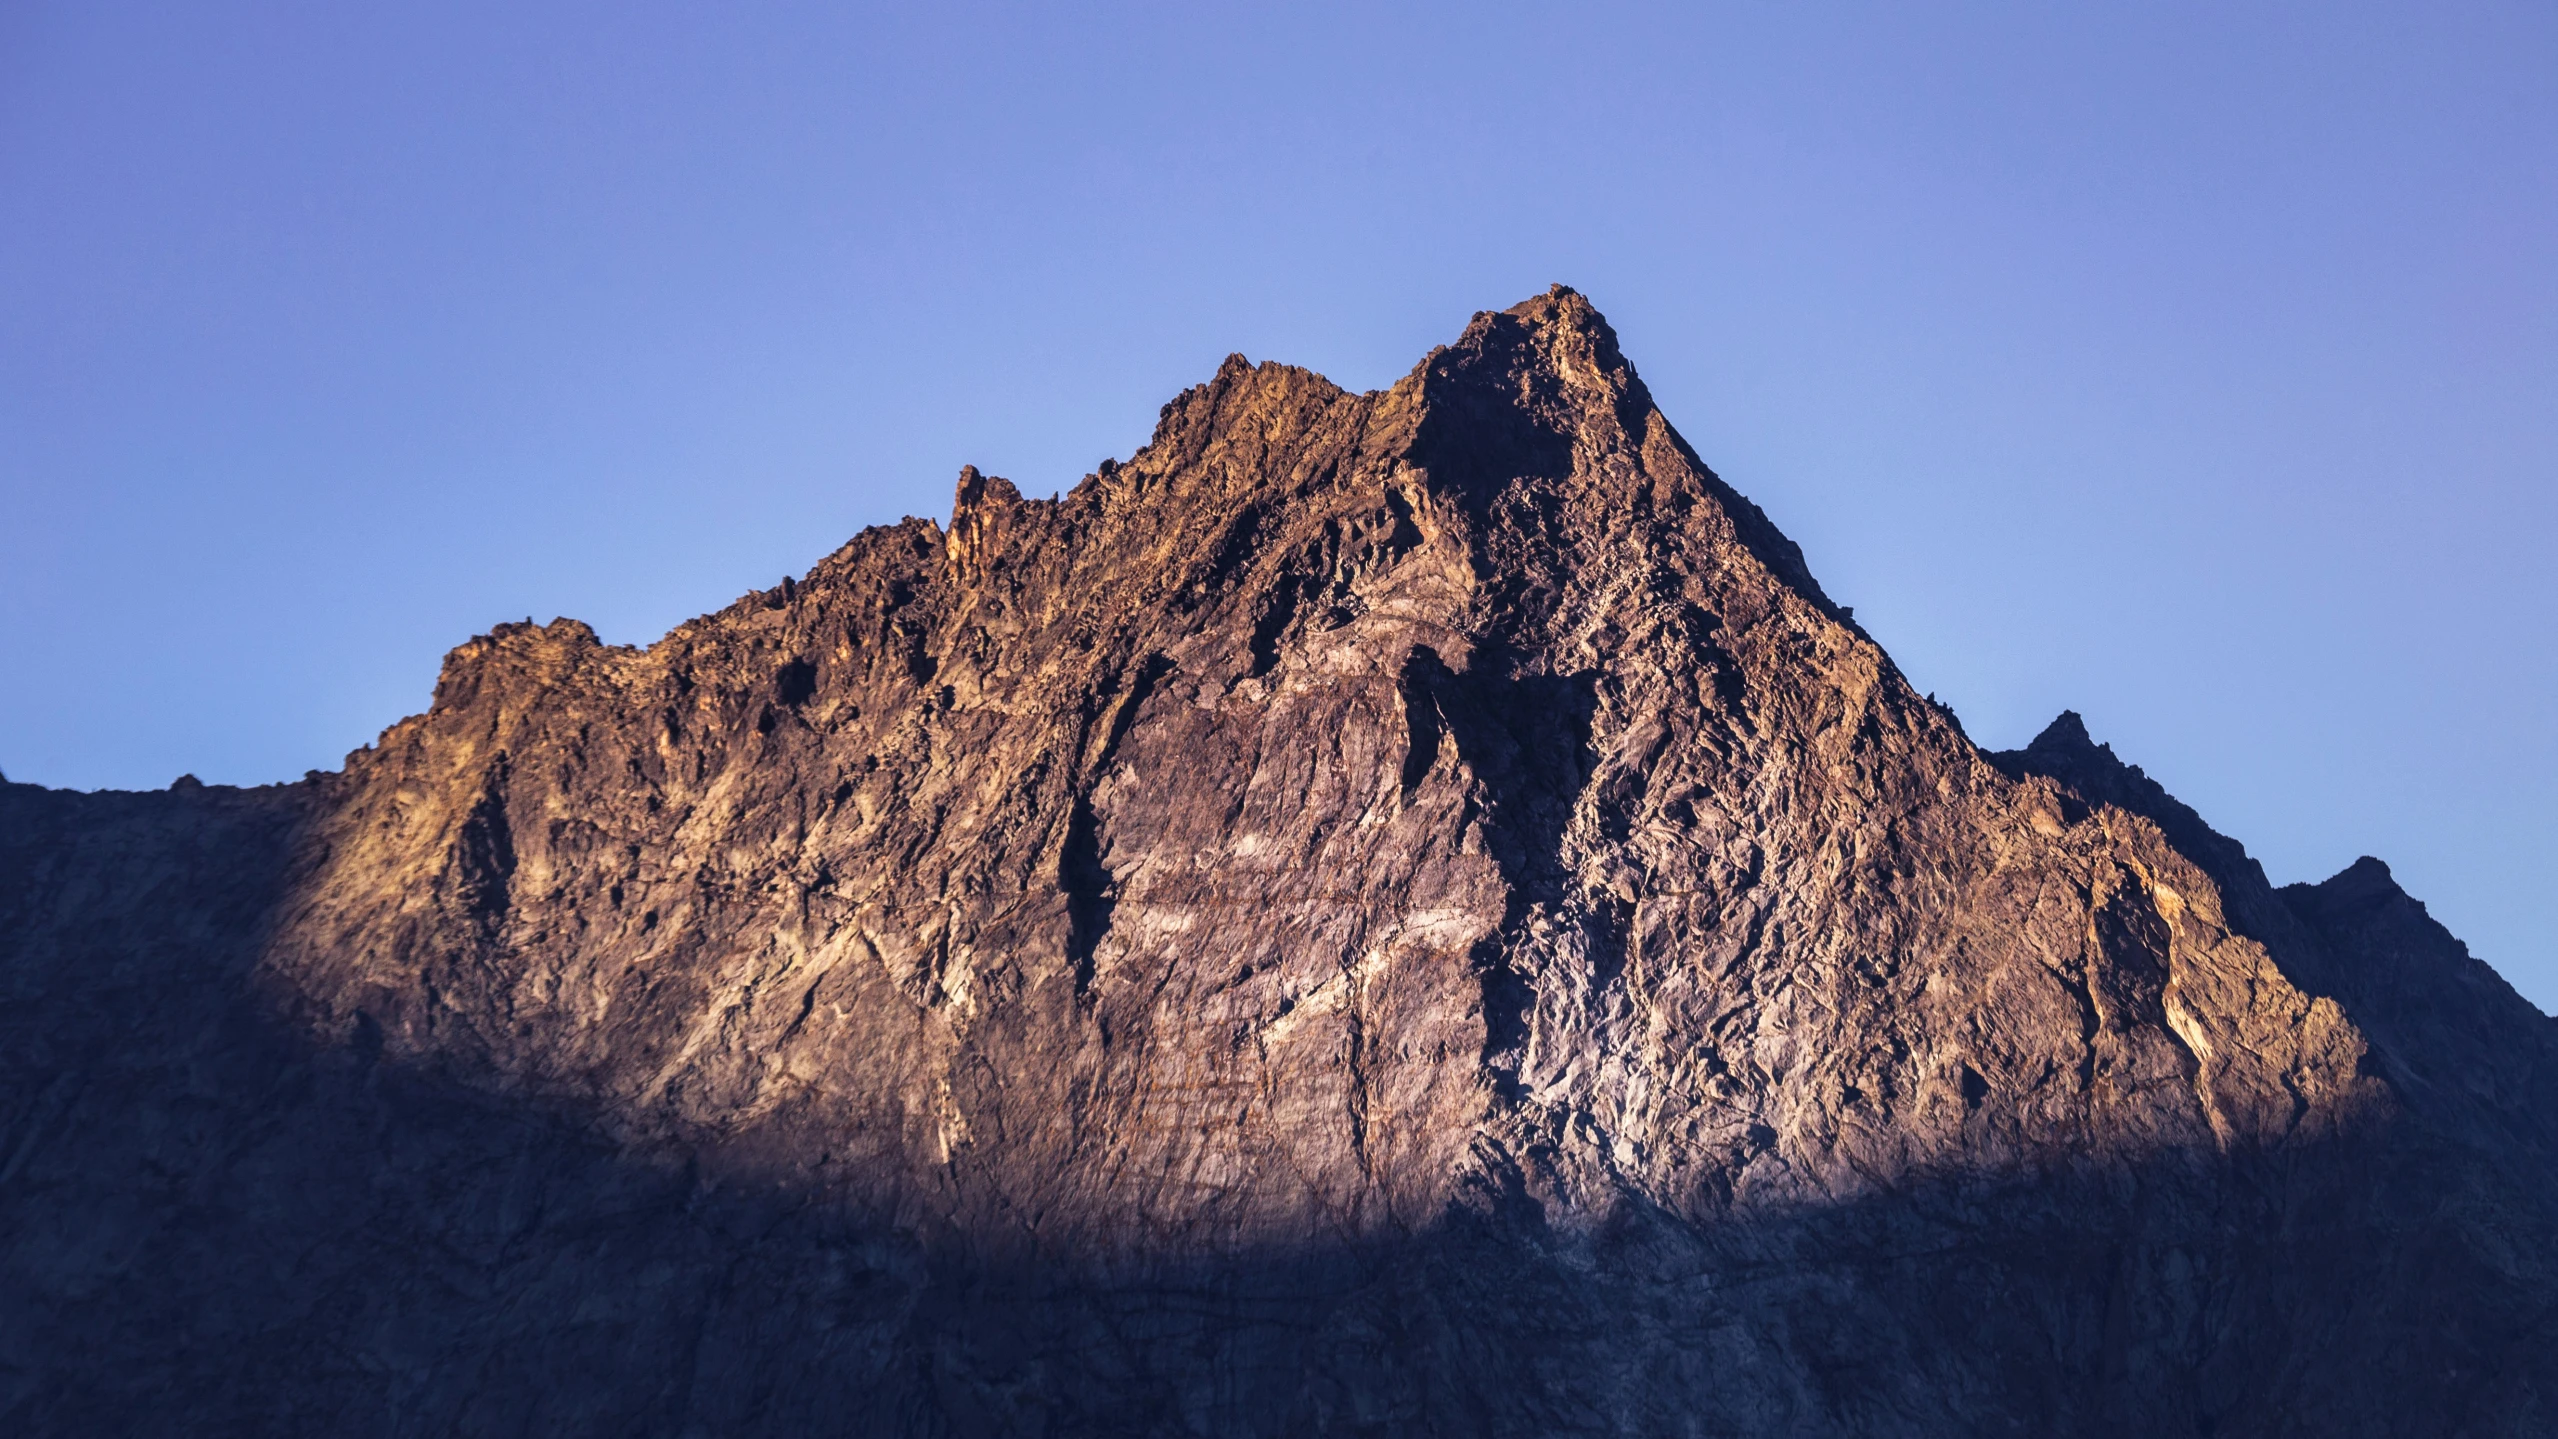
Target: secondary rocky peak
{"type": "Point", "coordinates": [1401, 912]}
{"type": "Point", "coordinates": [2367, 876]}
{"type": "Point", "coordinates": [2067, 735]}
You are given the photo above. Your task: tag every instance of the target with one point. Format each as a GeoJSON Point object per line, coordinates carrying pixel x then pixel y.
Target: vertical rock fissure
{"type": "Point", "coordinates": [1090, 897]}
{"type": "Point", "coordinates": [1421, 720]}
{"type": "Point", "coordinates": [1525, 739]}
{"type": "Point", "coordinates": [1091, 894]}
{"type": "Point", "coordinates": [484, 855]}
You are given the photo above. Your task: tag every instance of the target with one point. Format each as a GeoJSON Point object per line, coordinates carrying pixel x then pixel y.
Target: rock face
{"type": "Point", "coordinates": [1387, 913]}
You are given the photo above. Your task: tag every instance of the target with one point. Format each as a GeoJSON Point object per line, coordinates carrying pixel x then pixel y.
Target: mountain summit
{"type": "Point", "coordinates": [1389, 913]}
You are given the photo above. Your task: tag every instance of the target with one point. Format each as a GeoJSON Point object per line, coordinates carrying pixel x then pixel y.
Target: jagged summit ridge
{"type": "Point", "coordinates": [1395, 912]}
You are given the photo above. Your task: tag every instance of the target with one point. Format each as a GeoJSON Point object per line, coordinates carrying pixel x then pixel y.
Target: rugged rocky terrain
{"type": "Point", "coordinates": [1386, 913]}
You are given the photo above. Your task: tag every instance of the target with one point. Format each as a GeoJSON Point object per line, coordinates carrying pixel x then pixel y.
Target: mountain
{"type": "Point", "coordinates": [1390, 913]}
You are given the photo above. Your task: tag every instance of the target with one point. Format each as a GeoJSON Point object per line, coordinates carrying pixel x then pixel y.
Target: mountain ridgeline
{"type": "Point", "coordinates": [1390, 913]}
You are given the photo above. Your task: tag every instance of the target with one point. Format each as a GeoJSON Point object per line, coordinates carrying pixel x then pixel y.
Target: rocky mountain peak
{"type": "Point", "coordinates": [1400, 912]}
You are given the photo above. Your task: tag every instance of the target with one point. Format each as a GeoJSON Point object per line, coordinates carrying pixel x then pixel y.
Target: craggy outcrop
{"type": "Point", "coordinates": [1404, 912]}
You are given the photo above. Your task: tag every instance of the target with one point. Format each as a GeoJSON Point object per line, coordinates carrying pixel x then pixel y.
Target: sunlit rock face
{"type": "Point", "coordinates": [1404, 912]}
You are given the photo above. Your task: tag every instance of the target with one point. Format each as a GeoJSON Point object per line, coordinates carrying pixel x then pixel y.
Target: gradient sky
{"type": "Point", "coordinates": [2195, 367]}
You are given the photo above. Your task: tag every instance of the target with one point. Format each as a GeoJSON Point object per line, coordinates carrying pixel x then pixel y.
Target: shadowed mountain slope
{"type": "Point", "coordinates": [1388, 913]}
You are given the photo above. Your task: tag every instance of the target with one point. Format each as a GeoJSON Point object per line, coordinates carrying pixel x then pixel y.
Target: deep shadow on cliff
{"type": "Point", "coordinates": [1403, 913]}
{"type": "Point", "coordinates": [277, 1239]}
{"type": "Point", "coordinates": [274, 1238]}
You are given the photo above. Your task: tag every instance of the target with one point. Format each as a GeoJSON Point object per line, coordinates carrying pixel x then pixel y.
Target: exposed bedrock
{"type": "Point", "coordinates": [1404, 912]}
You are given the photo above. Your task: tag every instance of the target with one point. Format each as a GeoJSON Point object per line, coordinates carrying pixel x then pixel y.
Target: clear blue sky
{"type": "Point", "coordinates": [2192, 366]}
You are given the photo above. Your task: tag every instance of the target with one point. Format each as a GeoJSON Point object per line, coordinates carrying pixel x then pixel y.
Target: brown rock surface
{"type": "Point", "coordinates": [1389, 913]}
